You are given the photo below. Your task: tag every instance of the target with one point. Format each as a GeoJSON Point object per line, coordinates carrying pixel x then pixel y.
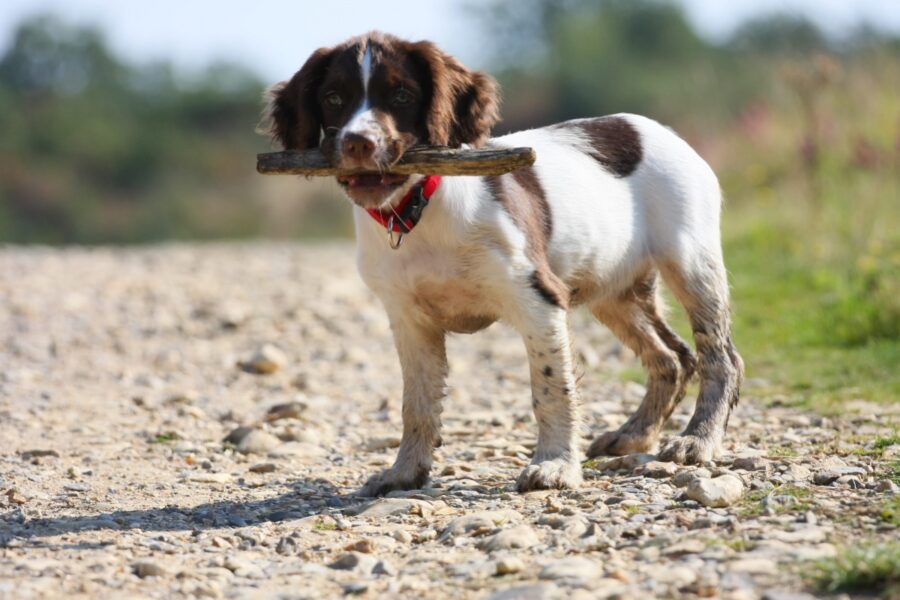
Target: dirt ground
{"type": "Point", "coordinates": [122, 372]}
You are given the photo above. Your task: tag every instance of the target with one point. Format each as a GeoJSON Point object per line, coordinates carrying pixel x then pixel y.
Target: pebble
{"type": "Point", "coordinates": [148, 568]}
{"type": "Point", "coordinates": [657, 469]}
{"type": "Point", "coordinates": [263, 468]}
{"type": "Point", "coordinates": [507, 565]}
{"type": "Point", "coordinates": [266, 360]}
{"type": "Point", "coordinates": [575, 567]}
{"type": "Point", "coordinates": [722, 491]}
{"type": "Point", "coordinates": [478, 522]}
{"type": "Point", "coordinates": [287, 410]}
{"type": "Point", "coordinates": [355, 561]}
{"type": "Point", "coordinates": [528, 592]}
{"type": "Point", "coordinates": [830, 475]}
{"type": "Point", "coordinates": [684, 477]}
{"type": "Point", "coordinates": [522, 536]}
{"type": "Point", "coordinates": [200, 477]}
{"type": "Point", "coordinates": [751, 463]}
{"type": "Point", "coordinates": [248, 440]}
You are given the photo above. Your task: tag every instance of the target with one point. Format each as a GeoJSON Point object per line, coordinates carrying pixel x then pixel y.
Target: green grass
{"type": "Point", "coordinates": [890, 511]}
{"type": "Point", "coordinates": [165, 438]}
{"type": "Point", "coordinates": [754, 503]}
{"type": "Point", "coordinates": [324, 526]}
{"type": "Point", "coordinates": [867, 569]}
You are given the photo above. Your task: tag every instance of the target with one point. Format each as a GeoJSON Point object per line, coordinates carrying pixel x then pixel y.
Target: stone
{"type": "Point", "coordinates": [540, 591]}
{"type": "Point", "coordinates": [657, 469]}
{"type": "Point", "coordinates": [720, 492]}
{"type": "Point", "coordinates": [266, 360]}
{"type": "Point", "coordinates": [287, 410]}
{"type": "Point", "coordinates": [257, 442]}
{"type": "Point", "coordinates": [384, 567]}
{"type": "Point", "coordinates": [262, 468]}
{"type": "Point", "coordinates": [751, 463]}
{"type": "Point", "coordinates": [148, 568]}
{"type": "Point", "coordinates": [753, 566]}
{"type": "Point", "coordinates": [355, 561]}
{"type": "Point", "coordinates": [573, 567]}
{"type": "Point", "coordinates": [832, 474]}
{"type": "Point", "coordinates": [478, 522]}
{"type": "Point", "coordinates": [684, 477]}
{"type": "Point", "coordinates": [507, 565]}
{"type": "Point", "coordinates": [386, 507]}
{"type": "Point", "coordinates": [521, 536]}
{"type": "Point", "coordinates": [200, 477]}
{"type": "Point", "coordinates": [242, 567]}
{"type": "Point", "coordinates": [382, 443]}
{"type": "Point", "coordinates": [628, 462]}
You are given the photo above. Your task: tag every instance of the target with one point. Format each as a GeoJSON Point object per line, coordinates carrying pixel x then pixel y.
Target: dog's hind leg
{"type": "Point", "coordinates": [423, 361]}
{"type": "Point", "coordinates": [700, 283]}
{"type": "Point", "coordinates": [635, 319]}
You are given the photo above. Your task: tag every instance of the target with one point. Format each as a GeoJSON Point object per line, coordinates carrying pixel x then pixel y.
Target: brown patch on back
{"type": "Point", "coordinates": [522, 196]}
{"type": "Point", "coordinates": [615, 143]}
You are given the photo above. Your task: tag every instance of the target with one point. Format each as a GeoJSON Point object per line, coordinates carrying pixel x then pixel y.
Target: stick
{"type": "Point", "coordinates": [427, 160]}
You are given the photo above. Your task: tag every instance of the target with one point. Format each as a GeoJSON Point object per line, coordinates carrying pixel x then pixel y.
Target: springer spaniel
{"type": "Point", "coordinates": [611, 205]}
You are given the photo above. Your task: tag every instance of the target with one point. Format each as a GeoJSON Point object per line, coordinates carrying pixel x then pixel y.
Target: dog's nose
{"type": "Point", "coordinates": [357, 146]}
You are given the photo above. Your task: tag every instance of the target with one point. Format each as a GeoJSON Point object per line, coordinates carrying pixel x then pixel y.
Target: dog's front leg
{"type": "Point", "coordinates": [423, 362]}
{"type": "Point", "coordinates": [557, 461]}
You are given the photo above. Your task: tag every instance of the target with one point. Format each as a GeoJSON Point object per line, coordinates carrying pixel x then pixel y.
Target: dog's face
{"type": "Point", "coordinates": [367, 100]}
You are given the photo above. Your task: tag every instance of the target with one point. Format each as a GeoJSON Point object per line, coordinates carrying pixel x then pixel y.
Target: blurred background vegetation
{"type": "Point", "coordinates": [803, 130]}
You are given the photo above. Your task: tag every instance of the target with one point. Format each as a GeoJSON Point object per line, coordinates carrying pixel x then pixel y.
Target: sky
{"type": "Point", "coordinates": [273, 38]}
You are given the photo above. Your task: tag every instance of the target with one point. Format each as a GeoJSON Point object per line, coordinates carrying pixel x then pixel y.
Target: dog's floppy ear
{"type": "Point", "coordinates": [463, 104]}
{"type": "Point", "coordinates": [292, 116]}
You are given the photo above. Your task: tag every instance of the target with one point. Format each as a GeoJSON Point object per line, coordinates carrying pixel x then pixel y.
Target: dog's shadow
{"type": "Point", "coordinates": [307, 498]}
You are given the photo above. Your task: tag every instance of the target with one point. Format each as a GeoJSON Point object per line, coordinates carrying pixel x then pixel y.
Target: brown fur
{"type": "Point", "coordinates": [615, 142]}
{"type": "Point", "coordinates": [522, 196]}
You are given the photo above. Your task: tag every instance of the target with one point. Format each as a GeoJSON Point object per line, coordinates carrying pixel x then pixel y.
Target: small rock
{"type": "Point", "coordinates": [507, 565]}
{"type": "Point", "coordinates": [753, 566]}
{"type": "Point", "coordinates": [383, 567]}
{"type": "Point", "coordinates": [29, 454]}
{"type": "Point", "coordinates": [540, 591]}
{"type": "Point", "coordinates": [286, 546]}
{"type": "Point", "coordinates": [252, 441]}
{"type": "Point", "coordinates": [355, 588]}
{"type": "Point", "coordinates": [886, 485]}
{"type": "Point", "coordinates": [684, 477]}
{"type": "Point", "coordinates": [385, 507]}
{"type": "Point", "coordinates": [522, 536]}
{"type": "Point", "coordinates": [355, 561]}
{"type": "Point", "coordinates": [479, 522]}
{"type": "Point", "coordinates": [382, 443]}
{"type": "Point", "coordinates": [720, 492]}
{"type": "Point", "coordinates": [262, 468]}
{"type": "Point", "coordinates": [626, 463]}
{"type": "Point", "coordinates": [13, 496]}
{"type": "Point", "coordinates": [287, 410]}
{"type": "Point", "coordinates": [751, 463]}
{"type": "Point", "coordinates": [243, 568]}
{"type": "Point", "coordinates": [265, 361]}
{"type": "Point", "coordinates": [402, 536]}
{"type": "Point", "coordinates": [366, 546]}
{"type": "Point", "coordinates": [209, 477]}
{"type": "Point", "coordinates": [147, 568]}
{"type": "Point", "coordinates": [574, 567]}
{"type": "Point", "coordinates": [830, 475]}
{"type": "Point", "coordinates": [657, 469]}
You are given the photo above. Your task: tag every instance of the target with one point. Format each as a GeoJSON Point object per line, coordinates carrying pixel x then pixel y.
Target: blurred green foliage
{"type": "Point", "coordinates": [803, 130]}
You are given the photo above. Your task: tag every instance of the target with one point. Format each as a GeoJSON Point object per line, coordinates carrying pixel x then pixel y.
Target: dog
{"type": "Point", "coordinates": [612, 205]}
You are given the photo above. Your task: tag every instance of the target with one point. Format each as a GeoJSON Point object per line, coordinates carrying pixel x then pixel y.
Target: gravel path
{"type": "Point", "coordinates": [122, 372]}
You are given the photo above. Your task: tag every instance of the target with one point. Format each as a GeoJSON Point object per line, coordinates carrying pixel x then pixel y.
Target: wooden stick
{"type": "Point", "coordinates": [427, 160]}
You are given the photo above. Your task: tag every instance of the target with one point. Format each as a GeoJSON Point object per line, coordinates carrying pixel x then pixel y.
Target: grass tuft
{"type": "Point", "coordinates": [870, 569]}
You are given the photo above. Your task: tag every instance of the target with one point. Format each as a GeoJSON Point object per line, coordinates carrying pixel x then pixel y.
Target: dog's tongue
{"type": "Point", "coordinates": [372, 179]}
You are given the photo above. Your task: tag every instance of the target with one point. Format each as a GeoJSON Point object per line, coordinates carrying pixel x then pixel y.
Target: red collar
{"type": "Point", "coordinates": [408, 212]}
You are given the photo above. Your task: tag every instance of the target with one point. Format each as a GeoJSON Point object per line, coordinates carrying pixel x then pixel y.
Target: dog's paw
{"type": "Point", "coordinates": [689, 450]}
{"type": "Point", "coordinates": [620, 443]}
{"type": "Point", "coordinates": [394, 479]}
{"type": "Point", "coordinates": [556, 474]}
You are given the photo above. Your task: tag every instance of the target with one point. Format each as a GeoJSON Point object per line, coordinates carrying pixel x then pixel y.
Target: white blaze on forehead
{"type": "Point", "coordinates": [365, 67]}
{"type": "Point", "coordinates": [363, 120]}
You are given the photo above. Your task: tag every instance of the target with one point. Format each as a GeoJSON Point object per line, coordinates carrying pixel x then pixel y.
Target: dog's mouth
{"type": "Point", "coordinates": [369, 190]}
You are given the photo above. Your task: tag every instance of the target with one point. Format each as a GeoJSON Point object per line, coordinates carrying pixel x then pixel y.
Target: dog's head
{"type": "Point", "coordinates": [367, 100]}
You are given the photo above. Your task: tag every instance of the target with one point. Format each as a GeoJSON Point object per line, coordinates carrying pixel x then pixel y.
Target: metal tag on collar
{"type": "Point", "coordinates": [390, 231]}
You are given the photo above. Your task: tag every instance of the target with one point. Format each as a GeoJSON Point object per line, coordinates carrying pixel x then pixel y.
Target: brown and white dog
{"type": "Point", "coordinates": [611, 205]}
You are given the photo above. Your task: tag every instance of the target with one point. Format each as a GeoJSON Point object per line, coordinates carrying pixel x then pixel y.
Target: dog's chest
{"type": "Point", "coordinates": [441, 286]}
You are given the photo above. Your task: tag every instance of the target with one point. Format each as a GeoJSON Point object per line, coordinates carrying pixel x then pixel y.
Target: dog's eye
{"type": "Point", "coordinates": [333, 100]}
{"type": "Point", "coordinates": [401, 98]}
